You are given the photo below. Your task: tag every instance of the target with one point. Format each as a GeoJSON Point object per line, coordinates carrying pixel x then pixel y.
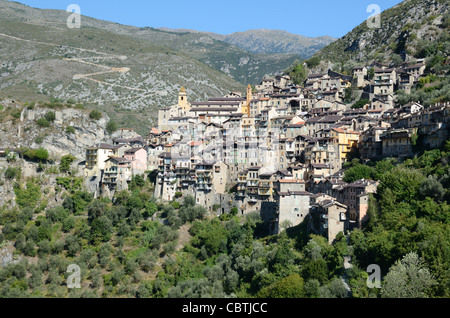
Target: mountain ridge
{"type": "Point", "coordinates": [243, 66]}
{"type": "Point", "coordinates": [125, 76]}
{"type": "Point", "coordinates": [267, 41]}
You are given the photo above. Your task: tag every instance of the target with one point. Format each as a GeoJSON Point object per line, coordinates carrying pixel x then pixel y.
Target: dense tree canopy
{"type": "Point", "coordinates": [136, 246]}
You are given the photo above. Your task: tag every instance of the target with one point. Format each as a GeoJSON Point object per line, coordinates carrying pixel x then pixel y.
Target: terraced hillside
{"type": "Point", "coordinates": [99, 68]}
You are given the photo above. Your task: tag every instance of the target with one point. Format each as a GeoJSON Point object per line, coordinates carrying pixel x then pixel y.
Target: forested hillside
{"type": "Point", "coordinates": [135, 246]}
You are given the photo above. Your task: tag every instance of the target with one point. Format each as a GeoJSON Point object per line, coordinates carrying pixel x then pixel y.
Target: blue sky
{"type": "Point", "coordinates": [305, 17]}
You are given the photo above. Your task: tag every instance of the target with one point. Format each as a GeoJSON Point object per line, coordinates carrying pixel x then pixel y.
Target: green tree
{"type": "Point", "coordinates": [68, 224]}
{"type": "Point", "coordinates": [361, 103]}
{"type": "Point", "coordinates": [335, 289]}
{"type": "Point", "coordinates": [313, 62]}
{"type": "Point", "coordinates": [150, 209]}
{"type": "Point", "coordinates": [289, 287]}
{"type": "Point", "coordinates": [396, 59]}
{"type": "Point", "coordinates": [358, 282]}
{"type": "Point", "coordinates": [57, 214]}
{"type": "Point", "coordinates": [101, 230]}
{"type": "Point", "coordinates": [66, 162]}
{"type": "Point", "coordinates": [72, 245]}
{"type": "Point", "coordinates": [189, 200]}
{"type": "Point", "coordinates": [432, 188]}
{"type": "Point", "coordinates": [138, 181]}
{"type": "Point", "coordinates": [29, 248]}
{"type": "Point", "coordinates": [408, 278]}
{"type": "Point", "coordinates": [349, 94]}
{"type": "Point", "coordinates": [357, 173]}
{"type": "Point", "coordinates": [403, 182]}
{"type": "Point", "coordinates": [316, 269]}
{"type": "Point", "coordinates": [298, 74]}
{"type": "Point", "coordinates": [41, 154]}
{"type": "Point", "coordinates": [191, 213]}
{"type": "Point", "coordinates": [371, 73]}
{"type": "Point", "coordinates": [312, 288]}
{"type": "Point", "coordinates": [112, 127]}
{"type": "Point", "coordinates": [37, 155]}
{"type": "Point", "coordinates": [29, 196]}
{"type": "Point", "coordinates": [209, 235]}
{"type": "Point", "coordinates": [95, 210]}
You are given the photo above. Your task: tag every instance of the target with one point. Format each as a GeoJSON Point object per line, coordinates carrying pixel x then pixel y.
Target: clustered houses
{"type": "Point", "coordinates": [278, 150]}
{"type": "Point", "coordinates": [110, 167]}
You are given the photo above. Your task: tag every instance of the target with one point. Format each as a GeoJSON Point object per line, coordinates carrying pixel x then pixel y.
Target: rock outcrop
{"type": "Point", "coordinates": [57, 139]}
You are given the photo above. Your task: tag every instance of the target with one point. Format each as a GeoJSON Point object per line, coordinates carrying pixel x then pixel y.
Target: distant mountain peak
{"type": "Point", "coordinates": [269, 41]}
{"type": "Point", "coordinates": [277, 41]}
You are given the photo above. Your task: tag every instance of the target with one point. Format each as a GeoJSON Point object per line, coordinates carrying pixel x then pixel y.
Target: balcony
{"type": "Point", "coordinates": [252, 183]}
{"type": "Point", "coordinates": [109, 180]}
{"type": "Point", "coordinates": [264, 192]}
{"type": "Point", "coordinates": [265, 185]}
{"type": "Point", "coordinates": [204, 173]}
{"type": "Point", "coordinates": [241, 187]}
{"type": "Point", "coordinates": [203, 187]}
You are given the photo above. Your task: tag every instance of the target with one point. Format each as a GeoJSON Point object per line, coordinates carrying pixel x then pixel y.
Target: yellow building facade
{"type": "Point", "coordinates": [346, 139]}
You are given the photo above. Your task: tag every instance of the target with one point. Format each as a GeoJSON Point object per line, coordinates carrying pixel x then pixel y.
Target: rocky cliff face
{"type": "Point", "coordinates": [57, 139]}
{"type": "Point", "coordinates": [400, 31]}
{"type": "Point", "coordinates": [19, 129]}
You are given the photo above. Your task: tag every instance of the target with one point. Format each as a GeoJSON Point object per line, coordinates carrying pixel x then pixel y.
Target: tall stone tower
{"type": "Point", "coordinates": [183, 100]}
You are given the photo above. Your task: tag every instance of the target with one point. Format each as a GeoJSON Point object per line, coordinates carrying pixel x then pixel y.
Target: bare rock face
{"type": "Point", "coordinates": [24, 132]}
{"type": "Point", "coordinates": [7, 255]}
{"type": "Point", "coordinates": [57, 139]}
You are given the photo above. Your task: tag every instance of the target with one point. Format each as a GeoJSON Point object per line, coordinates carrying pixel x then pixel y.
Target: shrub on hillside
{"type": "Point", "coordinates": [95, 115]}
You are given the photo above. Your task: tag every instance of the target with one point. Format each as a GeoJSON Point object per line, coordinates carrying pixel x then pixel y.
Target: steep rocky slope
{"type": "Point", "coordinates": [20, 129]}
{"type": "Point", "coordinates": [402, 29]}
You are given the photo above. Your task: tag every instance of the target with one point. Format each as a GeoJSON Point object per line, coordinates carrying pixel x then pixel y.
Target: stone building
{"type": "Point", "coordinates": [293, 203]}
{"type": "Point", "coordinates": [328, 218]}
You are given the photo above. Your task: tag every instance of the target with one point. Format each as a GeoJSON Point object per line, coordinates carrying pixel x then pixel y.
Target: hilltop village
{"type": "Point", "coordinates": [279, 149]}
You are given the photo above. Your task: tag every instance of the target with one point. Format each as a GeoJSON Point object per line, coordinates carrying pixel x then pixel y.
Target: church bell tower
{"type": "Point", "coordinates": [183, 100]}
